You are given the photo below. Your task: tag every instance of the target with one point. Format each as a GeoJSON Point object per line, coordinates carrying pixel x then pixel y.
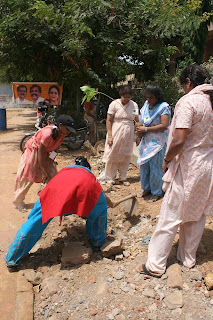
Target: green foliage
{"type": "Point", "coordinates": [89, 93]}
{"type": "Point", "coordinates": [209, 66]}
{"type": "Point", "coordinates": [96, 42]}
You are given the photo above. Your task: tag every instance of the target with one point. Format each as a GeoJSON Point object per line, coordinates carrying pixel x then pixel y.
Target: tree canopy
{"type": "Point", "coordinates": [97, 42]}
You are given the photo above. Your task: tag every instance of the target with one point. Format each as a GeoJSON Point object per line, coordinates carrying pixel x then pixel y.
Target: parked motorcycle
{"type": "Point", "coordinates": [72, 142]}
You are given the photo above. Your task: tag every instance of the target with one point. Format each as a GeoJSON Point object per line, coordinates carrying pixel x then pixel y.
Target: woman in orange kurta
{"type": "Point", "coordinates": [189, 176]}
{"type": "Point", "coordinates": [37, 165]}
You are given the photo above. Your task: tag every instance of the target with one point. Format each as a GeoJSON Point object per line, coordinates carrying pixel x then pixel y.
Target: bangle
{"type": "Point", "coordinates": [145, 129]}
{"type": "Point", "coordinates": [166, 160]}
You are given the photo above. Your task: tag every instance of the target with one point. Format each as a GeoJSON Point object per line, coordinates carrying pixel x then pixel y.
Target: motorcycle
{"type": "Point", "coordinates": [72, 142]}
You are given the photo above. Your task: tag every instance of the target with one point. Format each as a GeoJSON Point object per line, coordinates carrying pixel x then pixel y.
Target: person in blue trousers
{"type": "Point", "coordinates": [74, 190]}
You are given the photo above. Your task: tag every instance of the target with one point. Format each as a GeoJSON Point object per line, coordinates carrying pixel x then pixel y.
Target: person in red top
{"type": "Point", "coordinates": [74, 190]}
{"type": "Point", "coordinates": [90, 116]}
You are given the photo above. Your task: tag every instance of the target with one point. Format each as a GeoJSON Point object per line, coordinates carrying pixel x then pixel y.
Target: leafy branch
{"type": "Point", "coordinates": [89, 93]}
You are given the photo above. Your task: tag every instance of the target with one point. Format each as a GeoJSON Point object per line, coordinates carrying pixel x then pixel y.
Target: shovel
{"type": "Point", "coordinates": [130, 204]}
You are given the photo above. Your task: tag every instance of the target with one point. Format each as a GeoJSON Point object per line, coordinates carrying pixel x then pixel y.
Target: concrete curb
{"type": "Point", "coordinates": [25, 299]}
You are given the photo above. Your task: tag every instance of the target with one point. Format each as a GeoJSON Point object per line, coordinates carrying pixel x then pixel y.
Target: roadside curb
{"type": "Point", "coordinates": [25, 298]}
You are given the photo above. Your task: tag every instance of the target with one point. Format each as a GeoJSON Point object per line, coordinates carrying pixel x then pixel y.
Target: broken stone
{"type": "Point", "coordinates": [33, 277]}
{"type": "Point", "coordinates": [174, 277]}
{"type": "Point", "coordinates": [118, 275]}
{"type": "Point", "coordinates": [174, 300]}
{"type": "Point", "coordinates": [102, 288]}
{"type": "Point", "coordinates": [50, 286]}
{"type": "Point", "coordinates": [195, 274]}
{"type": "Point", "coordinates": [149, 293]}
{"type": "Point", "coordinates": [115, 312]}
{"type": "Point", "coordinates": [112, 248]}
{"type": "Point", "coordinates": [209, 281]}
{"type": "Point", "coordinates": [93, 312]}
{"type": "Point", "coordinates": [153, 307]}
{"type": "Point", "coordinates": [75, 253]}
{"type": "Point", "coordinates": [119, 257]}
{"type": "Point", "coordinates": [92, 279]}
{"type": "Point", "coordinates": [177, 312]}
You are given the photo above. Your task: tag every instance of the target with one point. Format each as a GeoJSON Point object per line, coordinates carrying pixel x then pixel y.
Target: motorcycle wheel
{"type": "Point", "coordinates": [74, 141]}
{"type": "Point", "coordinates": [24, 141]}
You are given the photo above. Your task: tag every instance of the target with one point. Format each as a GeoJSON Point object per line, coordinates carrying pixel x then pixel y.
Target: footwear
{"type": "Point", "coordinates": [143, 270]}
{"type": "Point", "coordinates": [21, 208]}
{"type": "Point", "coordinates": [12, 268]}
{"type": "Point", "coordinates": [153, 199]}
{"type": "Point", "coordinates": [143, 194]}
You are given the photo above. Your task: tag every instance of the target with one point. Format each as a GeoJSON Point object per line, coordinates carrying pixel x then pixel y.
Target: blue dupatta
{"type": "Point", "coordinates": [152, 142]}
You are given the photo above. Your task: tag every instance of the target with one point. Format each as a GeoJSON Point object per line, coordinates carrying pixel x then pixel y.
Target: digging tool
{"type": "Point", "coordinates": [129, 203]}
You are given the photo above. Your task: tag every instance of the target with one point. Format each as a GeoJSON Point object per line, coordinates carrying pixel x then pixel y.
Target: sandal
{"type": "Point", "coordinates": [153, 199]}
{"type": "Point", "coordinates": [143, 194]}
{"type": "Point", "coordinates": [143, 270]}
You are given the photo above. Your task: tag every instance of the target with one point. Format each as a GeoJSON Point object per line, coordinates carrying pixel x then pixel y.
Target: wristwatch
{"type": "Point", "coordinates": [145, 129]}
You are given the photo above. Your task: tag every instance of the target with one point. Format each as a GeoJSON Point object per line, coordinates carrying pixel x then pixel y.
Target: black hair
{"type": "Point", "coordinates": [21, 86]}
{"type": "Point", "coordinates": [35, 86]}
{"type": "Point", "coordinates": [82, 161]}
{"type": "Point", "coordinates": [198, 75]}
{"type": "Point", "coordinates": [56, 87]}
{"type": "Point", "coordinates": [125, 89]}
{"type": "Point", "coordinates": [156, 91]}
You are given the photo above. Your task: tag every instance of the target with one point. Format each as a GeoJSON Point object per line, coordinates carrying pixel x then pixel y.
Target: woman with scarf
{"type": "Point", "coordinates": [154, 119]}
{"type": "Point", "coordinates": [188, 179]}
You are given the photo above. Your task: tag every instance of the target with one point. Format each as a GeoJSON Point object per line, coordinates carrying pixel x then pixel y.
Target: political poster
{"type": "Point", "coordinates": [32, 93]}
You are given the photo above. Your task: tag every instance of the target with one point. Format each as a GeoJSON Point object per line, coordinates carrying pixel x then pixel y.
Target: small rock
{"type": "Point", "coordinates": [162, 296]}
{"type": "Point", "coordinates": [209, 281]}
{"type": "Point", "coordinates": [50, 286]}
{"type": "Point", "coordinates": [117, 291]}
{"type": "Point", "coordinates": [126, 254]}
{"type": "Point", "coordinates": [211, 301]}
{"type": "Point", "coordinates": [177, 312]}
{"type": "Point", "coordinates": [112, 248]}
{"type": "Point", "coordinates": [33, 277]}
{"type": "Point", "coordinates": [153, 308]}
{"type": "Point", "coordinates": [174, 300]}
{"type": "Point", "coordinates": [93, 312]}
{"type": "Point", "coordinates": [149, 293]}
{"type": "Point", "coordinates": [195, 275]}
{"type": "Point", "coordinates": [118, 275]}
{"type": "Point", "coordinates": [92, 279]}
{"type": "Point", "coordinates": [119, 257]}
{"type": "Point", "coordinates": [174, 277]}
{"type": "Point", "coordinates": [102, 288]}
{"type": "Point", "coordinates": [74, 254]}
{"type": "Point", "coordinates": [115, 312]}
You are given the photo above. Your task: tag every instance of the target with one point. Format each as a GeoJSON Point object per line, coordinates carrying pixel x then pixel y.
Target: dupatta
{"type": "Point", "coordinates": [152, 142]}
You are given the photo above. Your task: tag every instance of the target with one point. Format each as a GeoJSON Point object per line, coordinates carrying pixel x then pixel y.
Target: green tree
{"type": "Point", "coordinates": [96, 42]}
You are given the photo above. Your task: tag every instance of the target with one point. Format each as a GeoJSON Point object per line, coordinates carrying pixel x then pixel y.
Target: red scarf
{"type": "Point", "coordinates": [73, 190]}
